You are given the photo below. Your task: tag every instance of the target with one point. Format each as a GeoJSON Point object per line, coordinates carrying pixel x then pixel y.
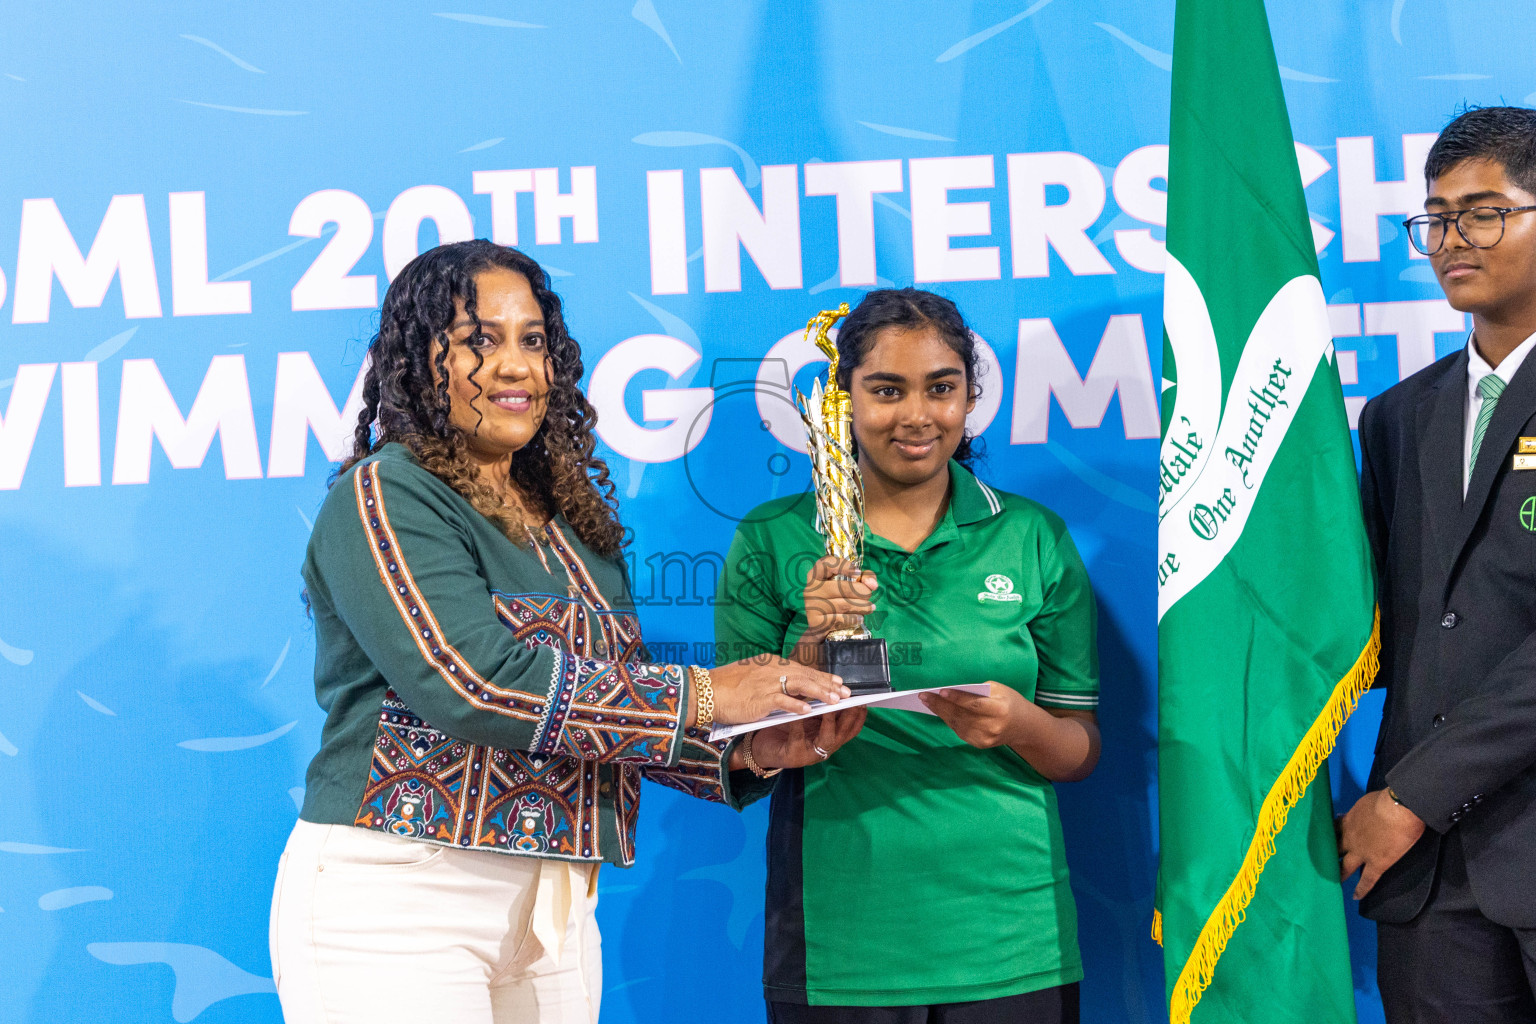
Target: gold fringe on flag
{"type": "Point", "coordinates": [1287, 791]}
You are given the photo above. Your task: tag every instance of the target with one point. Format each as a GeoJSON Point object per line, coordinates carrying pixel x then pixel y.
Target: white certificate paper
{"type": "Point", "coordinates": [900, 700]}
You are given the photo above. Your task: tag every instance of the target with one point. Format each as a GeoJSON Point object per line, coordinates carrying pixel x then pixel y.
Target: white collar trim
{"type": "Point", "coordinates": [1478, 368]}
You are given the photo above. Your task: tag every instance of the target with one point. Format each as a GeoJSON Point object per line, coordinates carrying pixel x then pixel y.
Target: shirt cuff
{"type": "Point", "coordinates": [612, 711]}
{"type": "Point", "coordinates": [703, 771]}
{"type": "Point", "coordinates": [1068, 700]}
{"type": "Point", "coordinates": [1439, 812]}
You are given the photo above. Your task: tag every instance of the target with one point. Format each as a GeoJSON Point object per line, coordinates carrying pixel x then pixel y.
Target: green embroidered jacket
{"type": "Point", "coordinates": [484, 695]}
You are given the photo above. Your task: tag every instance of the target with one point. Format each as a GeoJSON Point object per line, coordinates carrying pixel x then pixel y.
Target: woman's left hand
{"type": "Point", "coordinates": [808, 741]}
{"type": "Point", "coordinates": [982, 721]}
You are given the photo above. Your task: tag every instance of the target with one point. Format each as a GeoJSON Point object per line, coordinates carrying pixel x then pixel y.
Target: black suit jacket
{"type": "Point", "coordinates": [1457, 588]}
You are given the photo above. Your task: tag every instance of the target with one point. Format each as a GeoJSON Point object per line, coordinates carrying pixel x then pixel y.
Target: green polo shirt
{"type": "Point", "coordinates": [912, 868]}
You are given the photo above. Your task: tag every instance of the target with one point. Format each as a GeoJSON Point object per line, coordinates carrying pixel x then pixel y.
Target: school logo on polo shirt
{"type": "Point", "coordinates": [999, 588]}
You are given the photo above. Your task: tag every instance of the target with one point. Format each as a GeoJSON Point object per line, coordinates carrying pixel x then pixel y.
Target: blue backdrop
{"type": "Point", "coordinates": [201, 205]}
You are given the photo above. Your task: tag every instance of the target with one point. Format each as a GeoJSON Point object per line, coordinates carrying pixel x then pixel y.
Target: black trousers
{"type": "Point", "coordinates": [1451, 963]}
{"type": "Point", "coordinates": [1057, 1005]}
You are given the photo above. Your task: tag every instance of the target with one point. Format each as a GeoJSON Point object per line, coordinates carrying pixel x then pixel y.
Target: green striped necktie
{"type": "Point", "coordinates": [1490, 387]}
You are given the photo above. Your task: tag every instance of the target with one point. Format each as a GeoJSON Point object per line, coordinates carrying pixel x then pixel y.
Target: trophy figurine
{"type": "Point", "coordinates": [828, 416]}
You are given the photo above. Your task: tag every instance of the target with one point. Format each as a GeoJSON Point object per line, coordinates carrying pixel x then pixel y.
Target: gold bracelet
{"type": "Point", "coordinates": [751, 762]}
{"type": "Point", "coordinates": [704, 688]}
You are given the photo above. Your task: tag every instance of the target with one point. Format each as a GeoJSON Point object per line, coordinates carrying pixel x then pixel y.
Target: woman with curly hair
{"type": "Point", "coordinates": [490, 710]}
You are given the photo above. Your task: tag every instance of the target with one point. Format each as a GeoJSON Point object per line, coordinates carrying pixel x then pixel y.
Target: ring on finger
{"type": "Point", "coordinates": [823, 754]}
{"type": "Point", "coordinates": [784, 685]}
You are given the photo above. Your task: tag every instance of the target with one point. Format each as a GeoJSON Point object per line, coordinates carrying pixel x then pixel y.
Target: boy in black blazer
{"type": "Point", "coordinates": [1445, 839]}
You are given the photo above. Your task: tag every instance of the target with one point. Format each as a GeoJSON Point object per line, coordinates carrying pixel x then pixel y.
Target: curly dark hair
{"type": "Point", "coordinates": [405, 398]}
{"type": "Point", "coordinates": [911, 309]}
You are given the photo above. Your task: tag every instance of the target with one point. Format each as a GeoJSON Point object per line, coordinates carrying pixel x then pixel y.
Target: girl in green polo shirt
{"type": "Point", "coordinates": [920, 875]}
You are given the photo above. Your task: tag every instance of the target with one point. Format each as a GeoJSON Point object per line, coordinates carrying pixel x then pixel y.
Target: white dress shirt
{"type": "Point", "coordinates": [1477, 369]}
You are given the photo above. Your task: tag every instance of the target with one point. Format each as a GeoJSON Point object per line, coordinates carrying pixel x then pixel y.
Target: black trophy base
{"type": "Point", "coordinates": [862, 663]}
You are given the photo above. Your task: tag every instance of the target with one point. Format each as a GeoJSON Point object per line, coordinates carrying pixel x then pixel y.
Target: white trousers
{"type": "Point", "coordinates": [368, 928]}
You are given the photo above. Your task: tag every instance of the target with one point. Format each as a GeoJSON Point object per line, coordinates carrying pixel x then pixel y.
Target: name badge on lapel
{"type": "Point", "coordinates": [1527, 446]}
{"type": "Point", "coordinates": [1525, 462]}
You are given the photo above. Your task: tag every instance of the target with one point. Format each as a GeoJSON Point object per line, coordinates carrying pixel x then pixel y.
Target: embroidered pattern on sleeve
{"type": "Point", "coordinates": [417, 615]}
{"type": "Point", "coordinates": [698, 771]}
{"type": "Point", "coordinates": [699, 768]}
{"type": "Point", "coordinates": [599, 710]}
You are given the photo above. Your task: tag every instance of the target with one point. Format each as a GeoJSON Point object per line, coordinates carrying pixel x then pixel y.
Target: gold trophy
{"type": "Point", "coordinates": [828, 416]}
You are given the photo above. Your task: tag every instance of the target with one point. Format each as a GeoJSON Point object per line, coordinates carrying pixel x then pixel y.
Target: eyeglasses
{"type": "Point", "coordinates": [1481, 227]}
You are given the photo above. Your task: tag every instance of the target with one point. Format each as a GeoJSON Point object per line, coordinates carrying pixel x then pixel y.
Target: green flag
{"type": "Point", "coordinates": [1266, 634]}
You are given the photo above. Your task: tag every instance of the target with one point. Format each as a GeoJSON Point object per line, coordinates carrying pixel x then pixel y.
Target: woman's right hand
{"type": "Point", "coordinates": [833, 603]}
{"type": "Point", "coordinates": [806, 741]}
{"type": "Point", "coordinates": [750, 689]}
